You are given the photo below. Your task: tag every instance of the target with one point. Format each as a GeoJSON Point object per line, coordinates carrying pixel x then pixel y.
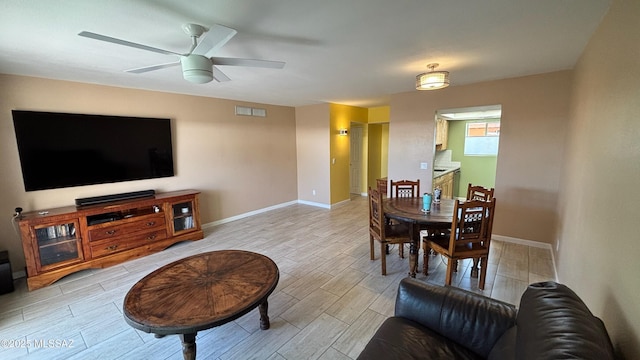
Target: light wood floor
{"type": "Point", "coordinates": [330, 299]}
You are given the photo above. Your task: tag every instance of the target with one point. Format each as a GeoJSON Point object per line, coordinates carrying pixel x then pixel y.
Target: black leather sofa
{"type": "Point", "coordinates": [444, 322]}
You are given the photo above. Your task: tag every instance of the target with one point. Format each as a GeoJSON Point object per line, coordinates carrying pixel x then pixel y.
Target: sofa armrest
{"type": "Point", "coordinates": [471, 320]}
{"type": "Point", "coordinates": [569, 329]}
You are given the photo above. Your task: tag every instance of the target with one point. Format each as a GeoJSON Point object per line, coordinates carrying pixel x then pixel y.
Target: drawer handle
{"type": "Point", "coordinates": [151, 237]}
{"type": "Point", "coordinates": [110, 232]}
{"type": "Point", "coordinates": [151, 223]}
{"type": "Point", "coordinates": [112, 247]}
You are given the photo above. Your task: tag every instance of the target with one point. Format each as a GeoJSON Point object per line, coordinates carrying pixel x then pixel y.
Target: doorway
{"type": "Point", "coordinates": [472, 142]}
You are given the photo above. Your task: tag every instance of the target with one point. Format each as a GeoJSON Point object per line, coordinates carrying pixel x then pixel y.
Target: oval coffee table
{"type": "Point", "coordinates": [200, 292]}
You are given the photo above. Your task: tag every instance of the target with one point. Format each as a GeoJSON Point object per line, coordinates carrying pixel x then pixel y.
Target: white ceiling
{"type": "Point", "coordinates": [354, 52]}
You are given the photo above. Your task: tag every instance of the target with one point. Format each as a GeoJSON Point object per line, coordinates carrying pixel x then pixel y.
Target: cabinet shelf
{"type": "Point", "coordinates": [123, 214]}
{"type": "Point", "coordinates": [56, 241]}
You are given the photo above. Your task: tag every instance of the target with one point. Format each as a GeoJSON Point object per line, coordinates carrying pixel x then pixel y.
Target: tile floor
{"type": "Point", "coordinates": [330, 299]}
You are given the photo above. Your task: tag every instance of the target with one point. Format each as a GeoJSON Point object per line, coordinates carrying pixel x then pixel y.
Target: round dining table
{"type": "Point", "coordinates": [410, 210]}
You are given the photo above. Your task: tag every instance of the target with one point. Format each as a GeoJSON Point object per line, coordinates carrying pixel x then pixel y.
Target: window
{"type": "Point", "coordinates": [481, 138]}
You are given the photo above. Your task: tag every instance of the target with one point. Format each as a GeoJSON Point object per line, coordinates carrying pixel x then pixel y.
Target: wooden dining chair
{"type": "Point", "coordinates": [383, 185]}
{"type": "Point", "coordinates": [405, 188]}
{"type": "Point", "coordinates": [477, 192]}
{"type": "Point", "coordinates": [382, 231]}
{"type": "Point", "coordinates": [466, 239]}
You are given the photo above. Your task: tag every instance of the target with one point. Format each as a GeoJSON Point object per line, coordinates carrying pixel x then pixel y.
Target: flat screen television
{"type": "Point", "coordinates": [63, 150]}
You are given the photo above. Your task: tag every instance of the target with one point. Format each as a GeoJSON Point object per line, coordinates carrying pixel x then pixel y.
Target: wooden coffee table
{"type": "Point", "coordinates": [200, 292]}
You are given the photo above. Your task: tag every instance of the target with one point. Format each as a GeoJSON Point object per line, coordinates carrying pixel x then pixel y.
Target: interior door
{"type": "Point", "coordinates": [355, 161]}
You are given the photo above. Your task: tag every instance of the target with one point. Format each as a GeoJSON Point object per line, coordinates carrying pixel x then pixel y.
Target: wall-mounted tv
{"type": "Point", "coordinates": [63, 150]}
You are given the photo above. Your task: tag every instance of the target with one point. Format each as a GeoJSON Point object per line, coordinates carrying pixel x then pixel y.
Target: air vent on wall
{"type": "Point", "coordinates": [248, 111]}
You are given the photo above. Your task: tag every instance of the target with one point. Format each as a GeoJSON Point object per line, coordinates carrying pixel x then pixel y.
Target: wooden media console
{"type": "Point", "coordinates": [60, 241]}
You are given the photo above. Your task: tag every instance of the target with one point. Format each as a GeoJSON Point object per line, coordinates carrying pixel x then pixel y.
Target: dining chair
{"type": "Point", "coordinates": [383, 185]}
{"type": "Point", "coordinates": [405, 188]}
{"type": "Point", "coordinates": [470, 237]}
{"type": "Point", "coordinates": [382, 231]}
{"type": "Point", "coordinates": [477, 192]}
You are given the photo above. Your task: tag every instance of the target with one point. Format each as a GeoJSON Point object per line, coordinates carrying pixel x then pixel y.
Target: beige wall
{"type": "Point", "coordinates": [379, 124]}
{"type": "Point", "coordinates": [312, 142]}
{"type": "Point", "coordinates": [599, 240]}
{"type": "Point", "coordinates": [239, 163]}
{"type": "Point", "coordinates": [533, 129]}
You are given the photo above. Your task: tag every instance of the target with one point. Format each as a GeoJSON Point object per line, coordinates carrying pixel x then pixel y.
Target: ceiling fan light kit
{"type": "Point", "coordinates": [196, 69]}
{"type": "Point", "coordinates": [432, 80]}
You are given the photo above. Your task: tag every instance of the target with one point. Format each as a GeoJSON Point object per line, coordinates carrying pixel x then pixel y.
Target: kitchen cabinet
{"type": "Point", "coordinates": [442, 133]}
{"type": "Point", "coordinates": [445, 182]}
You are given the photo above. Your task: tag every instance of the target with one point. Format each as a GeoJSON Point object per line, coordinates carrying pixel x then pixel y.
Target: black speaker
{"type": "Point", "coordinates": [6, 279]}
{"type": "Point", "coordinates": [115, 197]}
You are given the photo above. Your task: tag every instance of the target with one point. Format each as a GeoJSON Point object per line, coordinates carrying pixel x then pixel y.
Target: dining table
{"type": "Point", "coordinates": [410, 210]}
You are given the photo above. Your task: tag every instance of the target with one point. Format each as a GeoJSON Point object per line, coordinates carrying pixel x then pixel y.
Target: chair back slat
{"type": "Point", "coordinates": [477, 192]}
{"type": "Point", "coordinates": [472, 225]}
{"type": "Point", "coordinates": [405, 188]}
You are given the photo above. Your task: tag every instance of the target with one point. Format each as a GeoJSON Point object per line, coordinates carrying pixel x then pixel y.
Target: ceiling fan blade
{"type": "Point", "coordinates": [152, 68]}
{"type": "Point", "coordinates": [219, 75]}
{"type": "Point", "coordinates": [248, 62]}
{"type": "Point", "coordinates": [213, 40]}
{"type": "Point", "coordinates": [95, 36]}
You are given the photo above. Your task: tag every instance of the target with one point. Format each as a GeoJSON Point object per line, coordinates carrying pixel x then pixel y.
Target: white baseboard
{"type": "Point", "coordinates": [316, 204]}
{"type": "Point", "coordinates": [340, 203]}
{"type": "Point", "coordinates": [513, 240]}
{"type": "Point", "coordinates": [247, 214]}
{"type": "Point", "coordinates": [19, 274]}
{"type": "Point", "coordinates": [259, 211]}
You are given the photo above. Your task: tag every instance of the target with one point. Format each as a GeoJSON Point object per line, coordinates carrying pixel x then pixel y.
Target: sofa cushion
{"type": "Point", "coordinates": [469, 319]}
{"type": "Point", "coordinates": [399, 338]}
{"type": "Point", "coordinates": [553, 323]}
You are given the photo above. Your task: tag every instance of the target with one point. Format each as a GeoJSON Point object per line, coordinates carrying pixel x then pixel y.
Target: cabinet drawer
{"type": "Point", "coordinates": [113, 246]}
{"type": "Point", "coordinates": [124, 228]}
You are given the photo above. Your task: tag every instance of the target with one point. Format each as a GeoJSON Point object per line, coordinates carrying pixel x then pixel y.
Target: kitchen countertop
{"type": "Point", "coordinates": [439, 171]}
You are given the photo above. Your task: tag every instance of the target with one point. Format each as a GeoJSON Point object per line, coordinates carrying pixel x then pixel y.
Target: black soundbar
{"type": "Point", "coordinates": [114, 197]}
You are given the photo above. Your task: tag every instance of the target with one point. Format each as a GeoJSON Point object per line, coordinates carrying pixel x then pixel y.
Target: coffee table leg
{"type": "Point", "coordinates": [264, 318]}
{"type": "Point", "coordinates": [188, 346]}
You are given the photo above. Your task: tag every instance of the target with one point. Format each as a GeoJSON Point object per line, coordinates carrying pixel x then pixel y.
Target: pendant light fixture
{"type": "Point", "coordinates": [432, 80]}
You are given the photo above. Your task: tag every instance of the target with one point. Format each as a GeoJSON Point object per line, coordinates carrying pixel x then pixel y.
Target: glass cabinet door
{"type": "Point", "coordinates": [183, 218]}
{"type": "Point", "coordinates": [57, 243]}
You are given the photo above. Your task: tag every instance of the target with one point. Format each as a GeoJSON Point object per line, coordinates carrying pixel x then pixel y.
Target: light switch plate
{"type": "Point", "coordinates": [424, 166]}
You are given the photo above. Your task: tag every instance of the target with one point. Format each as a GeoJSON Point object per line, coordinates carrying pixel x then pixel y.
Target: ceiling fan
{"type": "Point", "coordinates": [199, 64]}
